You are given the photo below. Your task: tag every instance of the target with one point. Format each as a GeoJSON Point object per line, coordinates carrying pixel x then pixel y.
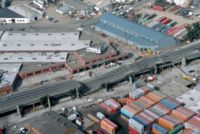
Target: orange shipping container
{"type": "Point", "coordinates": [183, 114]}
{"type": "Point", "coordinates": [147, 101]}
{"type": "Point", "coordinates": [110, 122]}
{"type": "Point", "coordinates": [108, 131]}
{"type": "Point", "coordinates": [123, 101]}
{"type": "Point", "coordinates": [155, 96]}
{"type": "Point", "coordinates": [165, 123]}
{"type": "Point", "coordinates": [154, 131]}
{"type": "Point", "coordinates": [107, 126]}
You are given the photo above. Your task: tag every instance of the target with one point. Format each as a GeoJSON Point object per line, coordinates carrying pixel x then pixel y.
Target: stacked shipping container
{"type": "Point", "coordinates": [149, 111]}
{"type": "Point", "coordinates": [108, 126]}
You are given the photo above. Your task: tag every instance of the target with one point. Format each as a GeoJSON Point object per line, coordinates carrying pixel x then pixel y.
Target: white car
{"type": "Point", "coordinates": [22, 130]}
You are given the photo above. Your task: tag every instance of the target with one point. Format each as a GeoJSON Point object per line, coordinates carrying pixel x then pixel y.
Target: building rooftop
{"type": "Point", "coordinates": [65, 9]}
{"type": "Point", "coordinates": [7, 13]}
{"type": "Point", "coordinates": [8, 73]}
{"type": "Point", "coordinates": [182, 81]}
{"type": "Point", "coordinates": [33, 57]}
{"type": "Point", "coordinates": [53, 123]}
{"type": "Point", "coordinates": [26, 11]}
{"type": "Point", "coordinates": [173, 89]}
{"type": "Point", "coordinates": [190, 97]}
{"type": "Point", "coordinates": [36, 42]}
{"type": "Point", "coordinates": [134, 33]}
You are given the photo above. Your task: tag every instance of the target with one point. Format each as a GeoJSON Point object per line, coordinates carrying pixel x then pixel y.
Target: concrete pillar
{"type": "Point", "coordinates": [130, 79]}
{"type": "Point", "coordinates": [106, 88]}
{"type": "Point", "coordinates": [184, 62]}
{"type": "Point", "coordinates": [155, 69]}
{"type": "Point", "coordinates": [77, 93]}
{"type": "Point", "coordinates": [49, 102]}
{"type": "Point", "coordinates": [19, 111]}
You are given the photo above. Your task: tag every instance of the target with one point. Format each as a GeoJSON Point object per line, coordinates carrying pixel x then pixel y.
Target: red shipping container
{"type": "Point", "coordinates": [159, 8]}
{"type": "Point", "coordinates": [132, 131]}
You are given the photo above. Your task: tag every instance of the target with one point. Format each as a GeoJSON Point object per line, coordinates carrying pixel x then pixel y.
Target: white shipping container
{"type": "Point", "coordinates": [100, 115]}
{"type": "Point", "coordinates": [179, 32]}
{"type": "Point", "coordinates": [136, 125]}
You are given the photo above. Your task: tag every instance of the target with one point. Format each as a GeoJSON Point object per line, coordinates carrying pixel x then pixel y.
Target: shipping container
{"type": "Point", "coordinates": [193, 123]}
{"type": "Point", "coordinates": [168, 122]}
{"type": "Point", "coordinates": [157, 129]}
{"type": "Point", "coordinates": [108, 109]}
{"type": "Point", "coordinates": [133, 131]}
{"type": "Point", "coordinates": [151, 23]}
{"type": "Point", "coordinates": [109, 126]}
{"type": "Point", "coordinates": [160, 109]}
{"type": "Point", "coordinates": [160, 19]}
{"type": "Point", "coordinates": [136, 126]}
{"type": "Point", "coordinates": [170, 103]}
{"type": "Point", "coordinates": [136, 94]}
{"type": "Point", "coordinates": [183, 114]}
{"type": "Point", "coordinates": [128, 112]}
{"type": "Point", "coordinates": [123, 101]}
{"type": "Point", "coordinates": [172, 23]}
{"type": "Point", "coordinates": [177, 130]}
{"type": "Point", "coordinates": [112, 103]}
{"type": "Point", "coordinates": [188, 131]}
{"type": "Point", "coordinates": [146, 100]}
{"type": "Point", "coordinates": [100, 115]}
{"type": "Point", "coordinates": [159, 8]}
{"type": "Point", "coordinates": [166, 21]}
{"type": "Point", "coordinates": [155, 96]}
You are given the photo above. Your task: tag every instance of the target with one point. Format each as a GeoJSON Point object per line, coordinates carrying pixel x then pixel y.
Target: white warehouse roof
{"type": "Point", "coordinates": [33, 57]}
{"type": "Point", "coordinates": [40, 42]}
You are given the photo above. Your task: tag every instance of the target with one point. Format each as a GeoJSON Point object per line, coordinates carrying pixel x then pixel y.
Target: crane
{"type": "Point", "coordinates": [185, 76]}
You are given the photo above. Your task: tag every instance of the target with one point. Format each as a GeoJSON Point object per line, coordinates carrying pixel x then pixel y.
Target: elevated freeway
{"type": "Point", "coordinates": [31, 96]}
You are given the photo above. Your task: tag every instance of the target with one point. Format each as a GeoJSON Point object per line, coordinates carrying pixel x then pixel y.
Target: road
{"type": "Point", "coordinates": [9, 102]}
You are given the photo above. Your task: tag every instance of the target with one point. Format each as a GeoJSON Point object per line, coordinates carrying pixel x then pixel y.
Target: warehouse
{"type": "Point", "coordinates": [27, 11]}
{"type": "Point", "coordinates": [33, 57]}
{"type": "Point", "coordinates": [9, 16]}
{"type": "Point", "coordinates": [8, 76]}
{"type": "Point", "coordinates": [133, 33]}
{"type": "Point", "coordinates": [41, 42]}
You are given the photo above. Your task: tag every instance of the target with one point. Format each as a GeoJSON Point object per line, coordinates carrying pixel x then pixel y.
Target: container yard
{"type": "Point", "coordinates": [164, 25]}
{"type": "Point", "coordinates": [146, 110]}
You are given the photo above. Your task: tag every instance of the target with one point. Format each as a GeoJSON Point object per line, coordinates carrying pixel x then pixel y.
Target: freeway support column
{"type": "Point", "coordinates": [155, 69]}
{"type": "Point", "coordinates": [19, 111]}
{"type": "Point", "coordinates": [49, 102]}
{"type": "Point", "coordinates": [77, 93]}
{"type": "Point", "coordinates": [131, 78]}
{"type": "Point", "coordinates": [184, 62]}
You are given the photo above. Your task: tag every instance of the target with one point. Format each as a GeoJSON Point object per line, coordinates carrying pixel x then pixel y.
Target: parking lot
{"type": "Point", "coordinates": [172, 16]}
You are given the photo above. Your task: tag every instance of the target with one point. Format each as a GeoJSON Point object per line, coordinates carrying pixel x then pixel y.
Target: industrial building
{"type": "Point", "coordinates": [33, 57]}
{"type": "Point", "coordinates": [41, 42]}
{"type": "Point", "coordinates": [65, 9]}
{"type": "Point", "coordinates": [9, 16]}
{"type": "Point", "coordinates": [53, 123]}
{"type": "Point", "coordinates": [27, 11]}
{"type": "Point", "coordinates": [133, 33]}
{"type": "Point", "coordinates": [8, 76]}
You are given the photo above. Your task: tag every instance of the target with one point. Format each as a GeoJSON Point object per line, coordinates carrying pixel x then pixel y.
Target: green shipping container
{"type": "Point", "coordinates": [176, 130]}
